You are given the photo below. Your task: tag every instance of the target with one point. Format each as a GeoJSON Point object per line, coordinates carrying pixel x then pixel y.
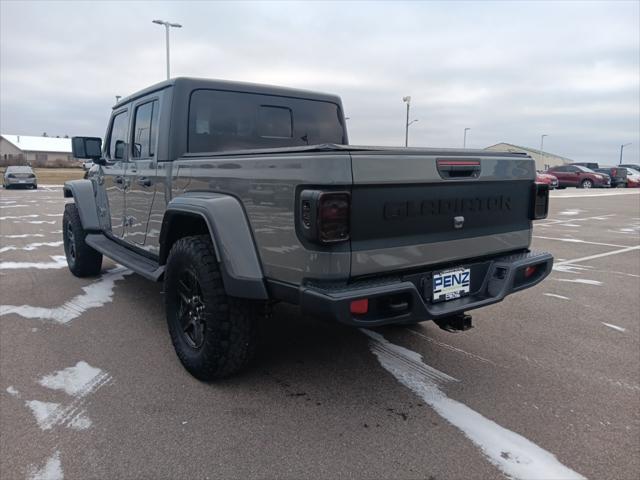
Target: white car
{"type": "Point", "coordinates": [633, 177]}
{"type": "Point", "coordinates": [19, 176]}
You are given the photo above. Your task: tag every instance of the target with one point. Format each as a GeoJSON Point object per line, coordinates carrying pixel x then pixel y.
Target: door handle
{"type": "Point", "coordinates": [119, 179]}
{"type": "Point", "coordinates": [144, 181]}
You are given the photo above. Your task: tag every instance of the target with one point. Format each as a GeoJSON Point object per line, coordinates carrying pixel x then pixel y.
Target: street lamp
{"type": "Point", "coordinates": [407, 100]}
{"type": "Point", "coordinates": [621, 149]}
{"type": "Point", "coordinates": [464, 144]}
{"type": "Point", "coordinates": [166, 26]}
{"type": "Point", "coordinates": [118, 97]}
{"type": "Point", "coordinates": [542, 146]}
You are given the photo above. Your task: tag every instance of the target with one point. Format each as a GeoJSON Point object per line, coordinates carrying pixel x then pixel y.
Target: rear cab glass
{"type": "Point", "coordinates": [221, 121]}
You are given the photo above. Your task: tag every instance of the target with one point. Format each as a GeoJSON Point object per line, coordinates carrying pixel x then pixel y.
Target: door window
{"type": "Point", "coordinates": [145, 130]}
{"type": "Point", "coordinates": [118, 135]}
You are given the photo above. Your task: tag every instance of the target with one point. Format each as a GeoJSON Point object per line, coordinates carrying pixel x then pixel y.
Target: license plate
{"type": "Point", "coordinates": [451, 284]}
{"type": "Point", "coordinates": [22, 181]}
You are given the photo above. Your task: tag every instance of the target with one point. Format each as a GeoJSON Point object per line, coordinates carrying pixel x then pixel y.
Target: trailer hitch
{"type": "Point", "coordinates": [455, 323]}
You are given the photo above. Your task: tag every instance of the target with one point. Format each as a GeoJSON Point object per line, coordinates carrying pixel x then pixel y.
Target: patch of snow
{"type": "Point", "coordinates": [572, 211]}
{"type": "Point", "coordinates": [513, 454]}
{"type": "Point", "coordinates": [79, 382]}
{"type": "Point", "coordinates": [615, 327]}
{"type": "Point", "coordinates": [19, 217]}
{"type": "Point", "coordinates": [12, 391]}
{"type": "Point", "coordinates": [44, 412]}
{"type": "Point", "coordinates": [554, 295]}
{"type": "Point", "coordinates": [31, 246]}
{"type": "Point", "coordinates": [73, 380]}
{"type": "Point", "coordinates": [38, 222]}
{"type": "Point", "coordinates": [570, 268]}
{"type": "Point", "coordinates": [80, 422]}
{"type": "Point", "coordinates": [59, 261]}
{"type": "Point", "coordinates": [24, 235]}
{"type": "Point", "coordinates": [583, 281]}
{"type": "Point", "coordinates": [52, 470]}
{"type": "Point", "coordinates": [95, 295]}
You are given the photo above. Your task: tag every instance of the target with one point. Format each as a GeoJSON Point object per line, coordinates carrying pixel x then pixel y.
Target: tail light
{"type": "Point", "coordinates": [539, 201]}
{"type": "Point", "coordinates": [614, 172]}
{"type": "Point", "coordinates": [324, 217]}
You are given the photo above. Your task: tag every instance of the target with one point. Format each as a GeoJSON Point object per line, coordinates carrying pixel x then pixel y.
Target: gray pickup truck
{"type": "Point", "coordinates": [238, 196]}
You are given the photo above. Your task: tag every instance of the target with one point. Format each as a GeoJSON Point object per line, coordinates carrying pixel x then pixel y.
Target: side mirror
{"type": "Point", "coordinates": [89, 148]}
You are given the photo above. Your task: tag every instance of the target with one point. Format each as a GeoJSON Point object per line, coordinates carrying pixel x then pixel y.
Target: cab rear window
{"type": "Point", "coordinates": [220, 121]}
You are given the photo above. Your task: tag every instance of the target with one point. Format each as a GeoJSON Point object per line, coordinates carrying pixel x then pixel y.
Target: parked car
{"type": "Point", "coordinates": [618, 175]}
{"type": "Point", "coordinates": [174, 206]}
{"type": "Point", "coordinates": [579, 176]}
{"type": "Point", "coordinates": [633, 178]}
{"type": "Point", "coordinates": [547, 179]}
{"type": "Point", "coordinates": [19, 176]}
{"type": "Point", "coordinates": [635, 166]}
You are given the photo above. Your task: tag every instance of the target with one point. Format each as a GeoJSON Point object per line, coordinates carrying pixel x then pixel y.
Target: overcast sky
{"type": "Point", "coordinates": [510, 71]}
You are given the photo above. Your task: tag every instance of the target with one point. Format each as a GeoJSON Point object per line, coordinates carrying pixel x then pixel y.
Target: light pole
{"type": "Point", "coordinates": [118, 97]}
{"type": "Point", "coordinates": [621, 149]}
{"type": "Point", "coordinates": [407, 100]}
{"type": "Point", "coordinates": [542, 147]}
{"type": "Point", "coordinates": [166, 27]}
{"type": "Point", "coordinates": [464, 144]}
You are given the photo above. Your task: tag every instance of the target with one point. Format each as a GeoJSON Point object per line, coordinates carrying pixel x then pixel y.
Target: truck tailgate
{"type": "Point", "coordinates": [408, 210]}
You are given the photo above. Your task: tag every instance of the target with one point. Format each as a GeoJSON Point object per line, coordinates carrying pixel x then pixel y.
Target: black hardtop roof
{"type": "Point", "coordinates": [189, 83]}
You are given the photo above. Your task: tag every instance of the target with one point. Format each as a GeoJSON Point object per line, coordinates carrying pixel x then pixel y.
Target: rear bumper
{"type": "Point", "coordinates": [406, 299]}
{"type": "Point", "coordinates": [20, 181]}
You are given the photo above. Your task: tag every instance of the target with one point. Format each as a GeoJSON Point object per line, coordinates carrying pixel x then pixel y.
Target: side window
{"type": "Point", "coordinates": [145, 130]}
{"type": "Point", "coordinates": [118, 136]}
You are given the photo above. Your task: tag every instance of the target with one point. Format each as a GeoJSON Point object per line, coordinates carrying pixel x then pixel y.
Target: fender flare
{"type": "Point", "coordinates": [232, 240]}
{"type": "Point", "coordinates": [84, 196]}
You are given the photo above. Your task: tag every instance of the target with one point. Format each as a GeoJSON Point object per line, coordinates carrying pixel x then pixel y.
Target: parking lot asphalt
{"type": "Point", "coordinates": [547, 384]}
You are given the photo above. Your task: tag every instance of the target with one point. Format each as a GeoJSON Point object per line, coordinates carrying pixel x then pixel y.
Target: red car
{"type": "Point", "coordinates": [547, 178]}
{"type": "Point", "coordinates": [579, 176]}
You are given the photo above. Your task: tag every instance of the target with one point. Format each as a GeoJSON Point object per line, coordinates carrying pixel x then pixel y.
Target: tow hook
{"type": "Point", "coordinates": [455, 323]}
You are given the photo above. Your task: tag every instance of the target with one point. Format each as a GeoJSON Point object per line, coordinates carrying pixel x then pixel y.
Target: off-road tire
{"type": "Point", "coordinates": [83, 260]}
{"type": "Point", "coordinates": [586, 183]}
{"type": "Point", "coordinates": [229, 325]}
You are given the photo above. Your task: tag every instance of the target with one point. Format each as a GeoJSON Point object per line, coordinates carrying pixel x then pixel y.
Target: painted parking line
{"type": "Point", "coordinates": [598, 255]}
{"type": "Point", "coordinates": [589, 194]}
{"type": "Point", "coordinates": [577, 240]}
{"type": "Point", "coordinates": [516, 456]}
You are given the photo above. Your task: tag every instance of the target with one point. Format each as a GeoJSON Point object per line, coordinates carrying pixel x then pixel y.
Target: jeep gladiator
{"type": "Point", "coordinates": [238, 196]}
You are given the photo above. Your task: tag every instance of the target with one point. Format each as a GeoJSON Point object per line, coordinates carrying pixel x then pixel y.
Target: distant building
{"type": "Point", "coordinates": [36, 151]}
{"type": "Point", "coordinates": [543, 160]}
